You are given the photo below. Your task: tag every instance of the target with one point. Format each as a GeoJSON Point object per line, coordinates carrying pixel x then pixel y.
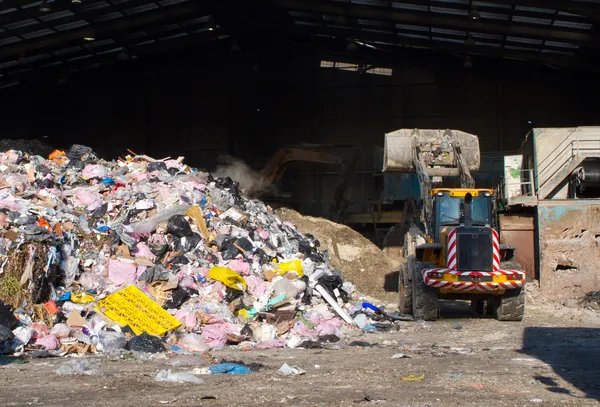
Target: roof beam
{"type": "Point", "coordinates": [437, 20]}
{"type": "Point", "coordinates": [103, 30]}
{"type": "Point", "coordinates": [462, 49]}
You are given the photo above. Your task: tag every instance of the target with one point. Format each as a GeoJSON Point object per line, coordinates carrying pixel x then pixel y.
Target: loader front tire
{"type": "Point", "coordinates": [405, 290]}
{"type": "Point", "coordinates": [425, 303]}
{"type": "Point", "coordinates": [510, 306]}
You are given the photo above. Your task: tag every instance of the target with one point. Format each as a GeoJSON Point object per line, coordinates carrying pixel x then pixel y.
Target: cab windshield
{"type": "Point", "coordinates": [449, 210]}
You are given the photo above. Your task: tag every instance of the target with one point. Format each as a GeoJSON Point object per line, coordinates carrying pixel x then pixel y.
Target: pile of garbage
{"type": "Point", "coordinates": [153, 255]}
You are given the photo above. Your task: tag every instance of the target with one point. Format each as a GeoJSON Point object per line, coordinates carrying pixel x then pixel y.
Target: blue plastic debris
{"type": "Point", "coordinates": [229, 368]}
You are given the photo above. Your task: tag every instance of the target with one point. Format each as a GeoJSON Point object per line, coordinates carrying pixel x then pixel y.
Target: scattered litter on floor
{"type": "Point", "coordinates": [288, 370]}
{"type": "Point", "coordinates": [400, 356]}
{"type": "Point", "coordinates": [413, 378]}
{"type": "Point", "coordinates": [455, 375]}
{"type": "Point", "coordinates": [172, 377]}
{"type": "Point", "coordinates": [78, 366]}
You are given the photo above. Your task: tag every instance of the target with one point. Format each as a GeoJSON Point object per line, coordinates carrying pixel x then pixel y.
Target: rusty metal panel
{"type": "Point", "coordinates": [519, 232]}
{"type": "Point", "coordinates": [569, 233]}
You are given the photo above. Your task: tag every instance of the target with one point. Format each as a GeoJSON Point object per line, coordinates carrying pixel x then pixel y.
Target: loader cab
{"type": "Point", "coordinates": [448, 207]}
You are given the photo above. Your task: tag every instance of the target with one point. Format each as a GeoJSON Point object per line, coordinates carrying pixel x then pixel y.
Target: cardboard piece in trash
{"type": "Point", "coordinates": [196, 214]}
{"type": "Point", "coordinates": [75, 320]}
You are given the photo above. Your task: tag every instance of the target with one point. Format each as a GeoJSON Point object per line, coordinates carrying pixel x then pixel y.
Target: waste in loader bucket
{"type": "Point", "coordinates": [435, 145]}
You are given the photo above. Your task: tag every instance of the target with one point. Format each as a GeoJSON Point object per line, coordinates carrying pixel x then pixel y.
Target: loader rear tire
{"type": "Point", "coordinates": [425, 299]}
{"type": "Point", "coordinates": [405, 290]}
{"type": "Point", "coordinates": [510, 306]}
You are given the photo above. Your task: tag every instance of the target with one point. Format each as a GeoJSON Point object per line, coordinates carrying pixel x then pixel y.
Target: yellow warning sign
{"type": "Point", "coordinates": [130, 306]}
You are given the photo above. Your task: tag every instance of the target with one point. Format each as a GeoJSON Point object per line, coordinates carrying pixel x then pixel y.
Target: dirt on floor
{"type": "Point", "coordinates": [361, 261]}
{"type": "Point", "coordinates": [549, 359]}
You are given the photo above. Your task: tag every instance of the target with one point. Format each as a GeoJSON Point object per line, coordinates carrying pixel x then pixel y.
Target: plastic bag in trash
{"type": "Point", "coordinates": [109, 341]}
{"type": "Point", "coordinates": [156, 166]}
{"type": "Point", "coordinates": [193, 343]}
{"type": "Point", "coordinates": [228, 277]}
{"type": "Point", "coordinates": [178, 226]}
{"type": "Point", "coordinates": [168, 376]}
{"type": "Point", "coordinates": [146, 343]}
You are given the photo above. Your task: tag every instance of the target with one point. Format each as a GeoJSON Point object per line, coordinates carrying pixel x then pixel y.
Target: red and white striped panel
{"type": "Point", "coordinates": [496, 249]}
{"type": "Point", "coordinates": [452, 249]}
{"type": "Point", "coordinates": [466, 286]}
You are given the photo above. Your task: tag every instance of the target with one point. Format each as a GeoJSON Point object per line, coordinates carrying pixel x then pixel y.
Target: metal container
{"type": "Point", "coordinates": [437, 148]}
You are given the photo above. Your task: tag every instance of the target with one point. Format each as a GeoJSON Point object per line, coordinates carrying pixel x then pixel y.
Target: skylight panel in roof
{"type": "Point", "coordinates": [413, 36]}
{"type": "Point", "coordinates": [8, 64]}
{"type": "Point", "coordinates": [493, 16]}
{"type": "Point", "coordinates": [524, 40]}
{"type": "Point", "coordinates": [446, 31]}
{"type": "Point", "coordinates": [36, 58]}
{"type": "Point", "coordinates": [487, 36]}
{"type": "Point", "coordinates": [8, 10]}
{"type": "Point", "coordinates": [93, 6]}
{"type": "Point", "coordinates": [411, 27]}
{"type": "Point", "coordinates": [110, 51]}
{"type": "Point", "coordinates": [536, 9]}
{"type": "Point", "coordinates": [453, 11]}
{"type": "Point", "coordinates": [409, 6]}
{"type": "Point", "coordinates": [167, 27]}
{"type": "Point", "coordinates": [552, 51]}
{"type": "Point", "coordinates": [571, 24]}
{"type": "Point", "coordinates": [199, 20]}
{"type": "Point", "coordinates": [564, 13]}
{"type": "Point", "coordinates": [30, 5]}
{"type": "Point", "coordinates": [140, 9]}
{"type": "Point", "coordinates": [519, 48]}
{"type": "Point", "coordinates": [171, 2]}
{"type": "Point", "coordinates": [488, 4]}
{"type": "Point", "coordinates": [308, 23]}
{"type": "Point", "coordinates": [55, 16]}
{"type": "Point", "coordinates": [371, 2]}
{"type": "Point", "coordinates": [110, 16]}
{"type": "Point", "coordinates": [79, 58]}
{"type": "Point", "coordinates": [488, 44]}
{"type": "Point", "coordinates": [70, 26]}
{"type": "Point", "coordinates": [170, 37]}
{"type": "Point", "coordinates": [531, 20]}
{"type": "Point", "coordinates": [454, 1]}
{"type": "Point", "coordinates": [101, 43]}
{"type": "Point", "coordinates": [49, 64]}
{"type": "Point", "coordinates": [9, 40]}
{"type": "Point", "coordinates": [561, 44]}
{"type": "Point", "coordinates": [373, 22]}
{"type": "Point", "coordinates": [376, 31]}
{"type": "Point", "coordinates": [38, 33]}
{"type": "Point", "coordinates": [444, 39]}
{"type": "Point", "coordinates": [20, 24]}
{"type": "Point", "coordinates": [300, 14]}
{"type": "Point", "coordinates": [134, 35]}
{"type": "Point", "coordinates": [66, 51]}
{"type": "Point", "coordinates": [139, 44]}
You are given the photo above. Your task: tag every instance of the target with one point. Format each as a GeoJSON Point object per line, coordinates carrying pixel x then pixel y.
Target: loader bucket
{"type": "Point", "coordinates": [436, 147]}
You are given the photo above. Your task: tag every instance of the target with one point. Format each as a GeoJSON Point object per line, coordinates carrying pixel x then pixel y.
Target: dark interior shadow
{"type": "Point", "coordinates": [451, 309]}
{"type": "Point", "coordinates": [573, 353]}
{"type": "Point", "coordinates": [391, 281]}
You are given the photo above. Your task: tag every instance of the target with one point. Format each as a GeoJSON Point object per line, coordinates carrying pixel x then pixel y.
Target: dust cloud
{"type": "Point", "coordinates": [252, 182]}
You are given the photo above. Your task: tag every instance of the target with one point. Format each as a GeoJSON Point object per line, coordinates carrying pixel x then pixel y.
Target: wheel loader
{"type": "Point", "coordinates": [452, 247]}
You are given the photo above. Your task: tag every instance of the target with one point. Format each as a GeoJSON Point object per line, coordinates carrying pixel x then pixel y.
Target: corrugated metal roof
{"type": "Point", "coordinates": [89, 32]}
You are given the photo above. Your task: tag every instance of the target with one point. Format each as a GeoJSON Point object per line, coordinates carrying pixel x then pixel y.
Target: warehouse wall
{"type": "Point", "coordinates": [201, 108]}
